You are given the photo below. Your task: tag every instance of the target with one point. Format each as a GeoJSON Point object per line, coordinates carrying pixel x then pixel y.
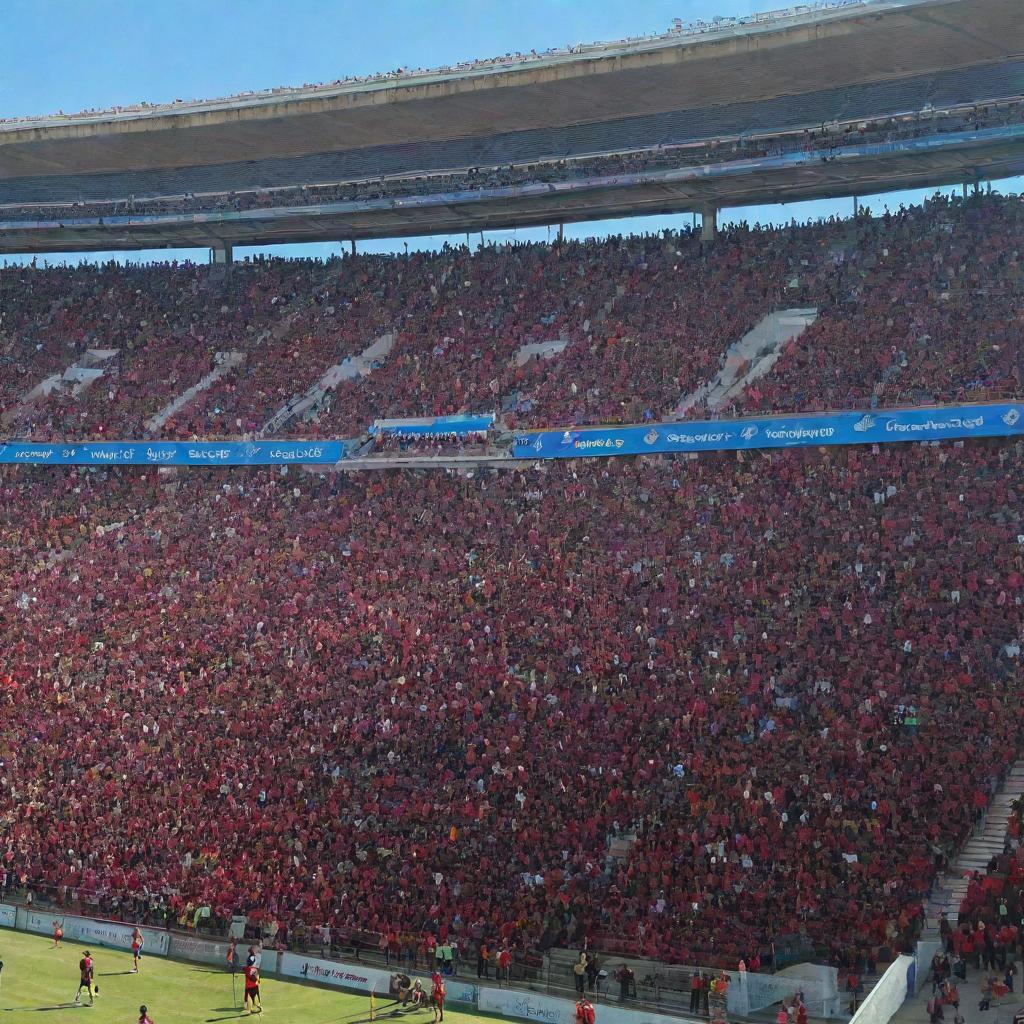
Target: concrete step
{"type": "Point", "coordinates": [951, 888]}
{"type": "Point", "coordinates": [226, 361]}
{"type": "Point", "coordinates": [309, 404]}
{"type": "Point", "coordinates": [750, 358]}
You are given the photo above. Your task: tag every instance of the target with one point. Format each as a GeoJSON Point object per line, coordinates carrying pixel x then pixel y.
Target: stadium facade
{"type": "Point", "coordinates": [849, 100]}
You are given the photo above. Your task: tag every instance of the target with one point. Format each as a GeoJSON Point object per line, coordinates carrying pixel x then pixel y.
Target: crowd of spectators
{"type": "Point", "coordinates": [226, 689]}
{"type": "Point", "coordinates": [922, 305]}
{"type": "Point", "coordinates": [989, 934]}
{"type": "Point", "coordinates": [825, 141]}
{"type": "Point", "coordinates": [919, 305]}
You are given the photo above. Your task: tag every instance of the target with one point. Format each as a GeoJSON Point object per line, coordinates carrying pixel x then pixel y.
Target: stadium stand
{"type": "Point", "coordinates": [919, 305]}
{"type": "Point", "coordinates": [598, 631]}
{"type": "Point", "coordinates": [227, 690]}
{"type": "Point", "coordinates": [914, 108]}
{"type": "Point", "coordinates": [687, 711]}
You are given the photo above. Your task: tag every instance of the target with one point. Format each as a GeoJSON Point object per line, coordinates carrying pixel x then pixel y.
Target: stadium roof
{"type": "Point", "coordinates": [593, 98]}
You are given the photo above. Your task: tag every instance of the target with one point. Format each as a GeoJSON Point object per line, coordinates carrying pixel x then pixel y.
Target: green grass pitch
{"type": "Point", "coordinates": [38, 983]}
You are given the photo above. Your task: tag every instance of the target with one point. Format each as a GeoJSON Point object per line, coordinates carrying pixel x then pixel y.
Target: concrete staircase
{"type": "Point", "coordinates": [987, 842]}
{"type": "Point", "coordinates": [75, 379]}
{"type": "Point", "coordinates": [226, 361]}
{"type": "Point", "coordinates": [540, 349]}
{"type": "Point", "coordinates": [750, 358]}
{"type": "Point", "coordinates": [309, 405]}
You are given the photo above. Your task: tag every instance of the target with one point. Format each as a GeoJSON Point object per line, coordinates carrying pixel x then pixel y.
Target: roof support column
{"type": "Point", "coordinates": [708, 223]}
{"type": "Point", "coordinates": [222, 255]}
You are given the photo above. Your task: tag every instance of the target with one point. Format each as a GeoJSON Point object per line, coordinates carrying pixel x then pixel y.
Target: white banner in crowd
{"type": "Point", "coordinates": [8, 916]}
{"type": "Point", "coordinates": [100, 933]}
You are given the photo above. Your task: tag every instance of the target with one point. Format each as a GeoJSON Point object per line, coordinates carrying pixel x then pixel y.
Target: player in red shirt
{"type": "Point", "coordinates": [252, 987]}
{"type": "Point", "coordinates": [585, 1011]}
{"type": "Point", "coordinates": [144, 1017]}
{"type": "Point", "coordinates": [137, 943]}
{"type": "Point", "coordinates": [437, 996]}
{"type": "Point", "coordinates": [58, 934]}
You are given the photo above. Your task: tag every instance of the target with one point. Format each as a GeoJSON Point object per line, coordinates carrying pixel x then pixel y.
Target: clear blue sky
{"type": "Point", "coordinates": [77, 54]}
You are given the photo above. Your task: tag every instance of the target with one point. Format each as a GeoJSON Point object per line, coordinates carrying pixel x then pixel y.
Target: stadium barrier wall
{"type": "Point", "coordinates": [358, 978]}
{"type": "Point", "coordinates": [118, 935]}
{"type": "Point", "coordinates": [889, 993]}
{"type": "Point", "coordinates": [98, 933]}
{"type": "Point", "coordinates": [877, 427]}
{"type": "Point", "coordinates": [206, 951]}
{"type": "Point", "coordinates": [528, 1006]}
{"type": "Point", "coordinates": [556, 1010]}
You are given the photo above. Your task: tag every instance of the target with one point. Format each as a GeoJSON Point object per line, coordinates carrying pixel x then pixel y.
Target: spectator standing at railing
{"type": "Point", "coordinates": [579, 973]}
{"type": "Point", "coordinates": [696, 984]}
{"type": "Point", "coordinates": [627, 982]}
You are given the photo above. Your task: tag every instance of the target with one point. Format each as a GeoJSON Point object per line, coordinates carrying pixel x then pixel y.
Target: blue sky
{"type": "Point", "coordinates": [77, 54]}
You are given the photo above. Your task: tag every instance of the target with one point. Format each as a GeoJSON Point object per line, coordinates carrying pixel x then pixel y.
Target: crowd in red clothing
{"type": "Point", "coordinates": [661, 705]}
{"type": "Point", "coordinates": [916, 306]}
{"type": "Point", "coordinates": [429, 703]}
{"type": "Point", "coordinates": [925, 306]}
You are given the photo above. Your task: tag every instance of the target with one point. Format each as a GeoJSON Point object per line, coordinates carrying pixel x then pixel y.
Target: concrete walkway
{"type": "Point", "coordinates": [947, 895]}
{"type": "Point", "coordinates": [915, 1011]}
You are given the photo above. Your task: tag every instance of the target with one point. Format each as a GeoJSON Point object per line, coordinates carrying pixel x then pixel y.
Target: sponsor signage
{"type": "Point", "coordinates": [878, 427]}
{"type": "Point", "coordinates": [97, 933]}
{"type": "Point", "coordinates": [175, 453]}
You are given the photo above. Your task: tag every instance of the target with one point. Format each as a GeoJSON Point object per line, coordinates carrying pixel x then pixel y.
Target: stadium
{"type": "Point", "coordinates": [598, 630]}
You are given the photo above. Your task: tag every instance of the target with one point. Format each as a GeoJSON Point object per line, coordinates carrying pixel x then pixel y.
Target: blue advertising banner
{"type": "Point", "coordinates": [421, 427]}
{"type": "Point", "coordinates": [175, 453]}
{"type": "Point", "coordinates": [880, 426]}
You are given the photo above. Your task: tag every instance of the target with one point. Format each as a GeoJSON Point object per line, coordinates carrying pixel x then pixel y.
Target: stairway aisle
{"type": "Point", "coordinates": [951, 887]}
